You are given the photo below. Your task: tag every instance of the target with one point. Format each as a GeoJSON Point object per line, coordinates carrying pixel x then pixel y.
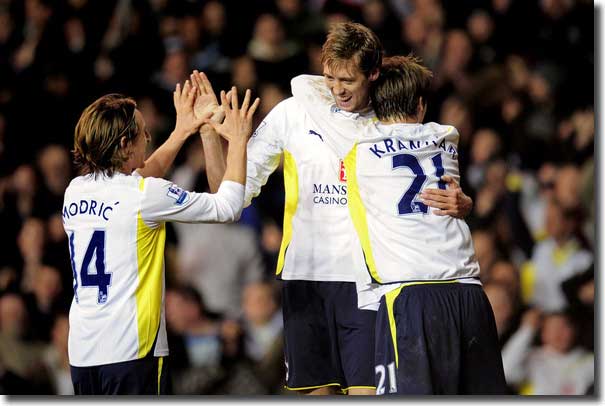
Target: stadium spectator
{"type": "Point", "coordinates": [263, 325]}
{"type": "Point", "coordinates": [557, 366]}
{"type": "Point", "coordinates": [555, 259]}
{"type": "Point", "coordinates": [21, 363]}
{"type": "Point", "coordinates": [56, 359]}
{"type": "Point", "coordinates": [44, 302]}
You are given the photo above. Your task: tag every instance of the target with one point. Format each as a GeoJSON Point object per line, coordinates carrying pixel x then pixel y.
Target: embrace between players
{"type": "Point", "coordinates": [380, 297]}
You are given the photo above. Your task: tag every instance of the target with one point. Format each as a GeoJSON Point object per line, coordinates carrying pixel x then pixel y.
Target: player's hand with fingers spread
{"type": "Point", "coordinates": [448, 202]}
{"type": "Point", "coordinates": [206, 101]}
{"type": "Point", "coordinates": [238, 121]}
{"type": "Point", "coordinates": [186, 121]}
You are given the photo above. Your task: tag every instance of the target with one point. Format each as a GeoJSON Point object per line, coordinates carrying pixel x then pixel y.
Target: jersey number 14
{"type": "Point", "coordinates": [98, 278]}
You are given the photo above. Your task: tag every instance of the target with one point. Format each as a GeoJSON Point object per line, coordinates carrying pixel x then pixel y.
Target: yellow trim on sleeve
{"type": "Point", "coordinates": [150, 261]}
{"type": "Point", "coordinates": [291, 189]}
{"type": "Point", "coordinates": [358, 211]}
{"type": "Point", "coordinates": [160, 364]}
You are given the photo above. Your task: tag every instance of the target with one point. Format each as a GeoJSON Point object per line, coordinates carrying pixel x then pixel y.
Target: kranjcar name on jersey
{"type": "Point", "coordinates": [387, 166]}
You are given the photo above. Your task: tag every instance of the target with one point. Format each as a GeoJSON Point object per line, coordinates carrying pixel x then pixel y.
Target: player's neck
{"type": "Point", "coordinates": [402, 120]}
{"type": "Point", "coordinates": [365, 110]}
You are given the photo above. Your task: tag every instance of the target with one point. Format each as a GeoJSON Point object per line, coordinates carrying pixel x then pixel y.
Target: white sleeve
{"type": "Point", "coordinates": [163, 201]}
{"type": "Point", "coordinates": [515, 353]}
{"type": "Point", "coordinates": [341, 129]}
{"type": "Point", "coordinates": [264, 151]}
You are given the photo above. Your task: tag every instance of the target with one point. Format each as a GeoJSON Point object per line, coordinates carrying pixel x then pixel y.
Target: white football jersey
{"type": "Point", "coordinates": [116, 232]}
{"type": "Point", "coordinates": [387, 167]}
{"type": "Point", "coordinates": [318, 241]}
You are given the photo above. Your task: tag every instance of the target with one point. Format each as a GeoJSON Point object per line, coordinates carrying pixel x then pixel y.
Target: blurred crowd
{"type": "Point", "coordinates": [516, 78]}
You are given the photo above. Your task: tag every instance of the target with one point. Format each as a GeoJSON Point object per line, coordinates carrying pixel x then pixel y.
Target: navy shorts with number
{"type": "Point", "coordinates": [437, 338]}
{"type": "Point", "coordinates": [328, 340]}
{"type": "Point", "coordinates": [145, 376]}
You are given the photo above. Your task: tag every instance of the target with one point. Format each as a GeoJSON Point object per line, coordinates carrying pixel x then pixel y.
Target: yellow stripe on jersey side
{"type": "Point", "coordinates": [358, 211]}
{"type": "Point", "coordinates": [150, 260]}
{"type": "Point", "coordinates": [389, 298]}
{"type": "Point", "coordinates": [291, 189]}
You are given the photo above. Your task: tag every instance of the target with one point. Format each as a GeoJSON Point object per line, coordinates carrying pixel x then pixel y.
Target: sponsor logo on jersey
{"type": "Point", "coordinates": [327, 194]}
{"type": "Point", "coordinates": [178, 194]}
{"type": "Point", "coordinates": [342, 173]}
{"type": "Point", "coordinates": [311, 132]}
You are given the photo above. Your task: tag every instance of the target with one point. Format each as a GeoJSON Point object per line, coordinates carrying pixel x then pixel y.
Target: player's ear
{"type": "Point", "coordinates": [123, 142]}
{"type": "Point", "coordinates": [374, 75]}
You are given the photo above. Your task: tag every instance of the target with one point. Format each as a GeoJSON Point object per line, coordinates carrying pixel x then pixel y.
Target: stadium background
{"type": "Point", "coordinates": [515, 77]}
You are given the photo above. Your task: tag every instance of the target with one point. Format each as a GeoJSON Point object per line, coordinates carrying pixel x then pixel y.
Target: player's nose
{"type": "Point", "coordinates": [338, 89]}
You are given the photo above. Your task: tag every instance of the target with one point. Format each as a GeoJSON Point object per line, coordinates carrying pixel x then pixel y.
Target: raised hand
{"type": "Point", "coordinates": [449, 202]}
{"type": "Point", "coordinates": [238, 121]}
{"type": "Point", "coordinates": [206, 99]}
{"type": "Point", "coordinates": [187, 122]}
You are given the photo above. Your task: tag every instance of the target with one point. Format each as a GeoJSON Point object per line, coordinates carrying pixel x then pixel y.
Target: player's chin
{"type": "Point", "coordinates": [346, 105]}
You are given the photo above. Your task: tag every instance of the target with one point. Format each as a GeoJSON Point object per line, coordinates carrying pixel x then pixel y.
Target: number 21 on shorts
{"type": "Point", "coordinates": [386, 374]}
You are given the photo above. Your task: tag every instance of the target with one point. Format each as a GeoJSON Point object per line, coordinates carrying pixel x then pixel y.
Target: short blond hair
{"type": "Point", "coordinates": [352, 42]}
{"type": "Point", "coordinates": [99, 131]}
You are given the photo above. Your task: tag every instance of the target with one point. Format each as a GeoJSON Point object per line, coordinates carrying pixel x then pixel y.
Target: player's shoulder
{"type": "Point", "coordinates": [283, 112]}
{"type": "Point", "coordinates": [150, 184]}
{"type": "Point", "coordinates": [159, 189]}
{"type": "Point", "coordinates": [307, 80]}
{"type": "Point", "coordinates": [440, 129]}
{"type": "Point", "coordinates": [287, 105]}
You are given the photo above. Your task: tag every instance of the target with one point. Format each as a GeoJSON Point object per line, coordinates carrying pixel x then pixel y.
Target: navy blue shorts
{"type": "Point", "coordinates": [145, 376]}
{"type": "Point", "coordinates": [437, 338]}
{"type": "Point", "coordinates": [328, 340]}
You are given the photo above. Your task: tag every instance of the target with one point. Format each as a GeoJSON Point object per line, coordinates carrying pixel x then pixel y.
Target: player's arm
{"type": "Point", "coordinates": [186, 124]}
{"type": "Point", "coordinates": [236, 129]}
{"type": "Point", "coordinates": [212, 142]}
{"type": "Point", "coordinates": [266, 147]}
{"type": "Point", "coordinates": [340, 129]}
{"type": "Point", "coordinates": [448, 202]}
{"type": "Point", "coordinates": [451, 200]}
{"type": "Point", "coordinates": [165, 201]}
{"type": "Point", "coordinates": [518, 347]}
{"type": "Point", "coordinates": [263, 152]}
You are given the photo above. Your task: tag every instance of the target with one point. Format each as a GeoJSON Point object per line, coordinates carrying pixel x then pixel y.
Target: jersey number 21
{"type": "Point", "coordinates": [407, 204]}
